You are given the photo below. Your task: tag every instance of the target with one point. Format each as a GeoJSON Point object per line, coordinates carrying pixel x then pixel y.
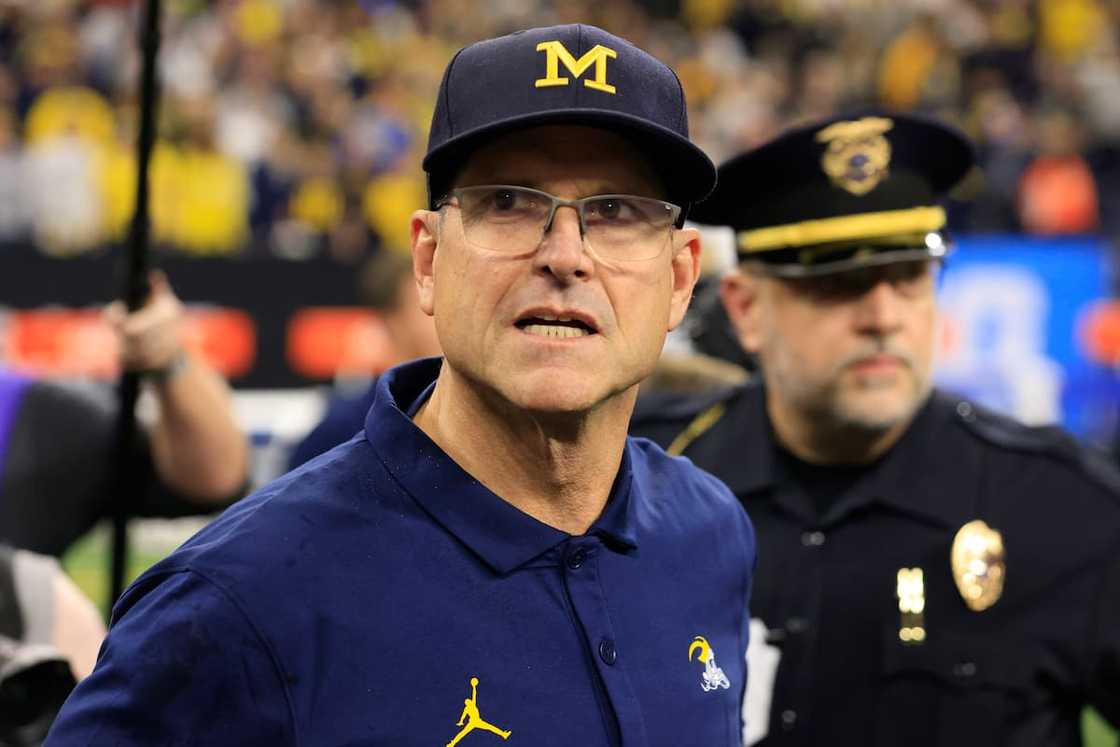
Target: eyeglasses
{"type": "Point", "coordinates": [503, 218]}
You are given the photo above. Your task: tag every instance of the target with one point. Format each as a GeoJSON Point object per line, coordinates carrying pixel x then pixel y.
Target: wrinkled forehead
{"type": "Point", "coordinates": [594, 161]}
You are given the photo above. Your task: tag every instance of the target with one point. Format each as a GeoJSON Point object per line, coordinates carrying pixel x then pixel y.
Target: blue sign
{"type": "Point", "coordinates": [1013, 316]}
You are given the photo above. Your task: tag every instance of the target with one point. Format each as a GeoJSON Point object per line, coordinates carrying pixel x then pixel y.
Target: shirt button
{"type": "Point", "coordinates": [607, 652]}
{"type": "Point", "coordinates": [964, 409]}
{"type": "Point", "coordinates": [812, 539]}
{"type": "Point", "coordinates": [964, 669]}
{"type": "Point", "coordinates": [789, 719]}
{"type": "Point", "coordinates": [575, 560]}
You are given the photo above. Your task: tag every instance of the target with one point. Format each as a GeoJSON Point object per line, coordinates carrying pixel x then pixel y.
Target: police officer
{"type": "Point", "coordinates": [491, 560]}
{"type": "Point", "coordinates": [930, 573]}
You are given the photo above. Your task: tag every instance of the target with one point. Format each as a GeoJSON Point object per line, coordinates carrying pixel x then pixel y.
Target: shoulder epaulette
{"type": "Point", "coordinates": [1010, 434]}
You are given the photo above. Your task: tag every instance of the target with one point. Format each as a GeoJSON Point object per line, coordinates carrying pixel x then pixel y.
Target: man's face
{"type": "Point", "coordinates": [852, 348]}
{"type": "Point", "coordinates": [496, 310]}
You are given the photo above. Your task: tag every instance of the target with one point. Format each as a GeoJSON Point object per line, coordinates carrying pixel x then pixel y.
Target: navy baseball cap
{"type": "Point", "coordinates": [574, 74]}
{"type": "Point", "coordinates": [841, 193]}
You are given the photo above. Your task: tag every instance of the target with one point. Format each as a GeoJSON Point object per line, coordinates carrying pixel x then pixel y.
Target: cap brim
{"type": "Point", "coordinates": [871, 257]}
{"type": "Point", "coordinates": [685, 170]}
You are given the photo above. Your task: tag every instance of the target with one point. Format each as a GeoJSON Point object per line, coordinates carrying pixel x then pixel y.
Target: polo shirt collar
{"type": "Point", "coordinates": [500, 534]}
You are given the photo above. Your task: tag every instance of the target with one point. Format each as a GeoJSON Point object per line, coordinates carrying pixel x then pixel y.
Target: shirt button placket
{"type": "Point", "coordinates": [588, 600]}
{"type": "Point", "coordinates": [798, 628]}
{"type": "Point", "coordinates": [814, 538]}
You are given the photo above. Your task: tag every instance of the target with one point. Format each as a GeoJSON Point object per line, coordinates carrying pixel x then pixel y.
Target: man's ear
{"type": "Point", "coordinates": [424, 230]}
{"type": "Point", "coordinates": [686, 271]}
{"type": "Point", "coordinates": [740, 292]}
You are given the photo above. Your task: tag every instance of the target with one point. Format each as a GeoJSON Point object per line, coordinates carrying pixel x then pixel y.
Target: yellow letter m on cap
{"type": "Point", "coordinates": [555, 53]}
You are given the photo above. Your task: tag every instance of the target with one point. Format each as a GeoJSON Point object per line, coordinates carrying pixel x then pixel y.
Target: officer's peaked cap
{"type": "Point", "coordinates": [841, 193]}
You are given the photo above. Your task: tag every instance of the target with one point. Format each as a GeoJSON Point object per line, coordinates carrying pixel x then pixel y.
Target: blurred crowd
{"type": "Point", "coordinates": [295, 128]}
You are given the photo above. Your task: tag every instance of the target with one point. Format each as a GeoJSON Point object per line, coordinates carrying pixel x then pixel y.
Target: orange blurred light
{"type": "Point", "coordinates": [1098, 332]}
{"type": "Point", "coordinates": [77, 342]}
{"type": "Point", "coordinates": [324, 342]}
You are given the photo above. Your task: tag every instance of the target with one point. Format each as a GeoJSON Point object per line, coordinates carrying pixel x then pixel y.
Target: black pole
{"type": "Point", "coordinates": [128, 481]}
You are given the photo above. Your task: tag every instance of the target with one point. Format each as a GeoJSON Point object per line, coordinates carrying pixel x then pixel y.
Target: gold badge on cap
{"type": "Point", "coordinates": [857, 155]}
{"type": "Point", "coordinates": [978, 565]}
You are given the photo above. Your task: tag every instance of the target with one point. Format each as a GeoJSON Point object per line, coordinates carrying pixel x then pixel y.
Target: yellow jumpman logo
{"type": "Point", "coordinates": [474, 721]}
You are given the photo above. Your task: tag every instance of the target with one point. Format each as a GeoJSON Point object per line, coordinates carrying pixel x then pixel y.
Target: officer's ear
{"type": "Point", "coordinates": [740, 290]}
{"type": "Point", "coordinates": [424, 230]}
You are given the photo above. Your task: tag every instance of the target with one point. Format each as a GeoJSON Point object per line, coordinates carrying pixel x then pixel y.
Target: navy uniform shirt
{"type": "Point", "coordinates": [832, 543]}
{"type": "Point", "coordinates": [382, 596]}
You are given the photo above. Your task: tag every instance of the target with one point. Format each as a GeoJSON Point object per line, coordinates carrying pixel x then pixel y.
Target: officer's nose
{"type": "Point", "coordinates": [561, 252]}
{"type": "Point", "coordinates": [879, 310]}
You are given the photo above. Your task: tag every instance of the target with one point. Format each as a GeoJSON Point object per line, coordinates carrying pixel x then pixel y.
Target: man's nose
{"type": "Point", "coordinates": [561, 252]}
{"type": "Point", "coordinates": [879, 310]}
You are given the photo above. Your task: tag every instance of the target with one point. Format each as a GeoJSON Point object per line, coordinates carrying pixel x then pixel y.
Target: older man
{"type": "Point", "coordinates": [491, 560]}
{"type": "Point", "coordinates": [932, 573]}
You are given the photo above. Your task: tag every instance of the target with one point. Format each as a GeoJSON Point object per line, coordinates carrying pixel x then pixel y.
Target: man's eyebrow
{"type": "Point", "coordinates": [600, 188]}
{"type": "Point", "coordinates": [515, 182]}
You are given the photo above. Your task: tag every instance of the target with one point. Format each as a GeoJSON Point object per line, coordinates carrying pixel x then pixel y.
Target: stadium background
{"type": "Point", "coordinates": [290, 138]}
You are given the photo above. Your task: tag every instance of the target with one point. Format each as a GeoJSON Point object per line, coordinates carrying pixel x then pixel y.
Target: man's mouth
{"type": "Point", "coordinates": [558, 326]}
{"type": "Point", "coordinates": [879, 362]}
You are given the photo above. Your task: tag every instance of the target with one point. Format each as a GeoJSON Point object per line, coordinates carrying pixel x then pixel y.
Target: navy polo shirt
{"type": "Point", "coordinates": [380, 595]}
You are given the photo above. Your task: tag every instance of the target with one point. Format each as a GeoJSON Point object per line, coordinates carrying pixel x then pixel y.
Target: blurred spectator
{"type": "Point", "coordinates": [1003, 147]}
{"type": "Point", "coordinates": [56, 438]}
{"type": "Point", "coordinates": [14, 218]}
{"type": "Point", "coordinates": [291, 126]}
{"type": "Point", "coordinates": [912, 65]}
{"type": "Point", "coordinates": [201, 196]}
{"type": "Point", "coordinates": [60, 186]}
{"type": "Point", "coordinates": [1069, 27]}
{"type": "Point", "coordinates": [1058, 193]}
{"type": "Point", "coordinates": [387, 287]}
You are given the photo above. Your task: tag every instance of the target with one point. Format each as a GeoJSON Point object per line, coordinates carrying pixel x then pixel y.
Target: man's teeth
{"type": "Point", "coordinates": [555, 330]}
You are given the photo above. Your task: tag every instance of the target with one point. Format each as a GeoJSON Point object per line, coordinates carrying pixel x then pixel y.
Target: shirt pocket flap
{"type": "Point", "coordinates": [959, 661]}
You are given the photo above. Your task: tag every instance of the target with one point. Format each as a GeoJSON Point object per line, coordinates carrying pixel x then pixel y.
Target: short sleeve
{"type": "Point", "coordinates": [181, 666]}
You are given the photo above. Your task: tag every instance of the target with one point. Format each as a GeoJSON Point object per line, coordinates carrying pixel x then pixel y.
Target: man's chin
{"type": "Point", "coordinates": [548, 396]}
{"type": "Point", "coordinates": [876, 411]}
